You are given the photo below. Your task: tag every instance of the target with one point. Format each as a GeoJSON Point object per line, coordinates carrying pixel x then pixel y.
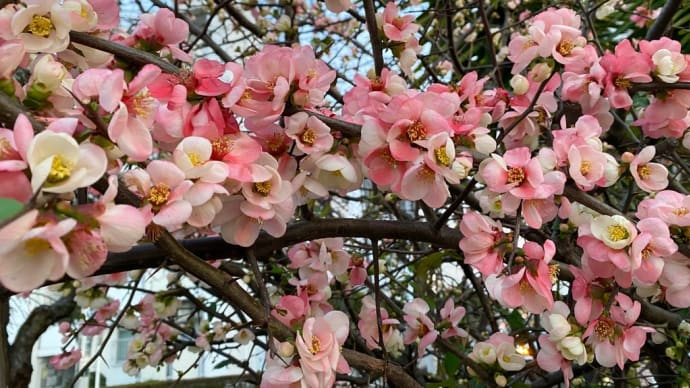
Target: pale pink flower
{"type": "Point", "coordinates": [623, 68]}
{"type": "Point", "coordinates": [291, 309]}
{"type": "Point", "coordinates": [368, 327]}
{"type": "Point", "coordinates": [480, 242]}
{"type": "Point", "coordinates": [65, 360]}
{"type": "Point", "coordinates": [650, 247]}
{"type": "Point", "coordinates": [675, 280]}
{"type": "Point", "coordinates": [163, 186]}
{"type": "Point", "coordinates": [395, 27]}
{"type": "Point", "coordinates": [519, 174]}
{"type": "Point", "coordinates": [164, 30]}
{"type": "Point", "coordinates": [29, 254]}
{"type": "Point", "coordinates": [587, 166]}
{"type": "Point", "coordinates": [338, 6]}
{"type": "Point", "coordinates": [670, 206]}
{"type": "Point", "coordinates": [648, 176]}
{"type": "Point", "coordinates": [310, 134]}
{"type": "Point", "coordinates": [419, 325]}
{"type": "Point", "coordinates": [606, 240]}
{"type": "Point", "coordinates": [452, 315]}
{"type": "Point", "coordinates": [318, 346]}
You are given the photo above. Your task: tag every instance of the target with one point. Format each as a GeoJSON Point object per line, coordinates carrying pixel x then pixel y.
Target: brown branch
{"type": "Point", "coordinates": [9, 111]}
{"type": "Point", "coordinates": [657, 29]}
{"type": "Point", "coordinates": [128, 54]}
{"type": "Point", "coordinates": [377, 50]}
{"type": "Point", "coordinates": [38, 321]}
{"type": "Point", "coordinates": [242, 20]}
{"type": "Point", "coordinates": [4, 342]}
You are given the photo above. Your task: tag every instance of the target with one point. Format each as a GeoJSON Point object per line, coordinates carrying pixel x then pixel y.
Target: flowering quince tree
{"type": "Point", "coordinates": [361, 193]}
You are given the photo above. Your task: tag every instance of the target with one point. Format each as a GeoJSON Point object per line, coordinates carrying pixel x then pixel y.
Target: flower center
{"type": "Point", "coordinates": [585, 167]}
{"type": "Point", "coordinates": [516, 175]}
{"type": "Point", "coordinates": [35, 246]}
{"type": "Point", "coordinates": [416, 131]}
{"type": "Point", "coordinates": [5, 148]}
{"type": "Point", "coordinates": [647, 252]}
{"type": "Point", "coordinates": [308, 137]}
{"type": "Point", "coordinates": [426, 174]}
{"type": "Point", "coordinates": [60, 169]}
{"type": "Point", "coordinates": [195, 159]}
{"type": "Point", "coordinates": [377, 84]}
{"type": "Point", "coordinates": [40, 26]}
{"type": "Point", "coordinates": [554, 270]}
{"type": "Point", "coordinates": [220, 147]}
{"type": "Point", "coordinates": [141, 104]}
{"type": "Point", "coordinates": [442, 156]}
{"type": "Point", "coordinates": [315, 345]}
{"type": "Point", "coordinates": [622, 82]}
{"type": "Point", "coordinates": [262, 188]}
{"type": "Point", "coordinates": [617, 233]}
{"type": "Point", "coordinates": [159, 194]}
{"type": "Point", "coordinates": [565, 47]}
{"type": "Point", "coordinates": [604, 329]}
{"type": "Point", "coordinates": [681, 211]}
{"type": "Point", "coordinates": [644, 172]}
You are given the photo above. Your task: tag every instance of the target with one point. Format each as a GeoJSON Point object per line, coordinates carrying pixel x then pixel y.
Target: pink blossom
{"type": "Point", "coordinates": [164, 30]}
{"type": "Point", "coordinates": [419, 325]}
{"type": "Point", "coordinates": [395, 27]}
{"type": "Point", "coordinates": [530, 286]}
{"type": "Point", "coordinates": [319, 345]}
{"type": "Point", "coordinates": [452, 315]}
{"type": "Point", "coordinates": [30, 254]}
{"type": "Point", "coordinates": [648, 176]}
{"type": "Point", "coordinates": [481, 242]}
{"type": "Point", "coordinates": [606, 240]}
{"type": "Point", "coordinates": [43, 26]}
{"type": "Point", "coordinates": [368, 327]}
{"type": "Point", "coordinates": [623, 68]}
{"type": "Point", "coordinates": [309, 133]}
{"type": "Point", "coordinates": [650, 247]}
{"type": "Point", "coordinates": [65, 360]}
{"type": "Point", "coordinates": [670, 206]}
{"type": "Point", "coordinates": [519, 174]}
{"type": "Point", "coordinates": [163, 186]}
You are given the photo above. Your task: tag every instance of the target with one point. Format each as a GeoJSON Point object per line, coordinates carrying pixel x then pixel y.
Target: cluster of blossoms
{"type": "Point", "coordinates": [499, 355]}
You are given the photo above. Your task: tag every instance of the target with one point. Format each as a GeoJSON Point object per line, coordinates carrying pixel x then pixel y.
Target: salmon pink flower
{"type": "Point", "coordinates": [368, 327]}
{"type": "Point", "coordinates": [164, 31]}
{"type": "Point", "coordinates": [670, 206]}
{"type": "Point", "coordinates": [395, 27]}
{"type": "Point", "coordinates": [318, 346]}
{"type": "Point", "coordinates": [163, 186]}
{"type": "Point", "coordinates": [650, 247]}
{"type": "Point", "coordinates": [623, 68]}
{"type": "Point", "coordinates": [419, 325]}
{"type": "Point", "coordinates": [482, 242]}
{"type": "Point", "coordinates": [65, 360]}
{"type": "Point", "coordinates": [648, 176]}
{"type": "Point", "coordinates": [451, 316]}
{"type": "Point", "coordinates": [310, 134]}
{"type": "Point", "coordinates": [30, 254]}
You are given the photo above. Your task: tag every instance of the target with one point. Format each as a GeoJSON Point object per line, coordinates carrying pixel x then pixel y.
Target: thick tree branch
{"type": "Point", "coordinates": [38, 321]}
{"type": "Point", "coordinates": [662, 22]}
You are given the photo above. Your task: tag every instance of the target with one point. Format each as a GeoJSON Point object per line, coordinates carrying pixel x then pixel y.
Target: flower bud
{"type": "Point", "coordinates": [501, 380]}
{"type": "Point", "coordinates": [49, 72]}
{"type": "Point", "coordinates": [540, 72]}
{"type": "Point", "coordinates": [520, 84]}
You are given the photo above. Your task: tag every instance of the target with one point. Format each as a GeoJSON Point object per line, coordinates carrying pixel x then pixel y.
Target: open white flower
{"type": "Point", "coordinates": [614, 231]}
{"type": "Point", "coordinates": [668, 64]}
{"type": "Point", "coordinates": [43, 26]}
{"type": "Point", "coordinates": [60, 165]}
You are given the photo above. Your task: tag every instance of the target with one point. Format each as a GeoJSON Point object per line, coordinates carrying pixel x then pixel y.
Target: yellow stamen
{"type": "Point", "coordinates": [554, 269]}
{"type": "Point", "coordinates": [604, 329]}
{"type": "Point", "coordinates": [442, 156]}
{"type": "Point", "coordinates": [141, 104]}
{"type": "Point", "coordinates": [644, 172]}
{"type": "Point", "coordinates": [40, 26]}
{"type": "Point", "coordinates": [426, 174]}
{"type": "Point", "coordinates": [5, 148]}
{"type": "Point", "coordinates": [585, 167]}
{"type": "Point", "coordinates": [308, 137]}
{"type": "Point", "coordinates": [622, 83]}
{"type": "Point", "coordinates": [60, 169]}
{"type": "Point", "coordinates": [416, 131]}
{"type": "Point", "coordinates": [263, 188]}
{"type": "Point", "coordinates": [565, 47]}
{"type": "Point", "coordinates": [159, 194]}
{"type": "Point", "coordinates": [617, 233]}
{"type": "Point", "coordinates": [315, 345]}
{"type": "Point", "coordinates": [681, 211]}
{"type": "Point", "coordinates": [36, 246]}
{"type": "Point", "coordinates": [195, 159]}
{"type": "Point", "coordinates": [516, 175]}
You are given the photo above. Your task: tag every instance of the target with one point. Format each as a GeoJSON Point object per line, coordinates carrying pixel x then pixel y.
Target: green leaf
{"type": "Point", "coordinates": [515, 320]}
{"type": "Point", "coordinates": [9, 208]}
{"type": "Point", "coordinates": [451, 363]}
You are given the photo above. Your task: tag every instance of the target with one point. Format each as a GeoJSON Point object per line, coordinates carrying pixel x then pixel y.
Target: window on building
{"type": "Point", "coordinates": [124, 337]}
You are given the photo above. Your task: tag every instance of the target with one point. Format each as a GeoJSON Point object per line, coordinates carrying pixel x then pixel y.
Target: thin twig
{"type": "Point", "coordinates": [377, 50]}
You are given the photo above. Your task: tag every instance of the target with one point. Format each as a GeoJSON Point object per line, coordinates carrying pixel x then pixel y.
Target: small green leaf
{"type": "Point", "coordinates": [451, 363]}
{"type": "Point", "coordinates": [515, 320]}
{"type": "Point", "coordinates": [9, 207]}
